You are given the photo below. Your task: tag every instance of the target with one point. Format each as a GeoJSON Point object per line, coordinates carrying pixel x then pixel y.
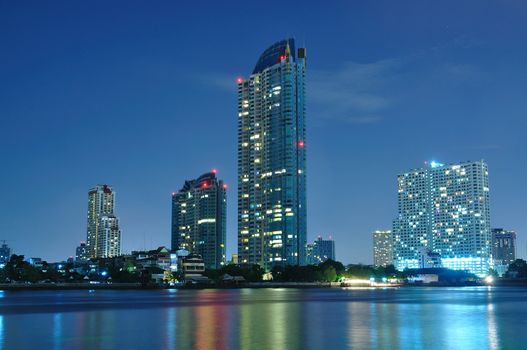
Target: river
{"type": "Point", "coordinates": [331, 318]}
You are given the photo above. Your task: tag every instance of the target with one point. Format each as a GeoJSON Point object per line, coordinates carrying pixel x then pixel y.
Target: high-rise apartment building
{"type": "Point", "coordinates": [382, 248]}
{"type": "Point", "coordinates": [444, 209]}
{"type": "Point", "coordinates": [103, 236]}
{"type": "Point", "coordinates": [503, 248]}
{"type": "Point", "coordinates": [272, 159]}
{"type": "Point", "coordinates": [199, 219]}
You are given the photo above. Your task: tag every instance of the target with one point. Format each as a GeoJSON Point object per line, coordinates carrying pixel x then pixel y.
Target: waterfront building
{"type": "Point", "coordinates": [36, 262]}
{"type": "Point", "coordinates": [103, 235]}
{"type": "Point", "coordinates": [199, 219]}
{"type": "Point", "coordinates": [81, 253]}
{"type": "Point", "coordinates": [272, 159]}
{"type": "Point", "coordinates": [444, 209]}
{"type": "Point", "coordinates": [193, 267]}
{"type": "Point", "coordinates": [382, 248]}
{"type": "Point", "coordinates": [320, 250]}
{"type": "Point", "coordinates": [5, 254]}
{"type": "Point", "coordinates": [159, 258]}
{"type": "Point", "coordinates": [503, 249]}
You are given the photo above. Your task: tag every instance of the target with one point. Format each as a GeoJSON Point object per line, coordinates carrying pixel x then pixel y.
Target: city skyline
{"type": "Point", "coordinates": [399, 90]}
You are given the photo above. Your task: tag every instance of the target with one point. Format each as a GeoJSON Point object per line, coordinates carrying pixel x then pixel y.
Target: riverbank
{"type": "Point", "coordinates": [74, 286]}
{"type": "Point", "coordinates": [124, 286]}
{"type": "Point", "coordinates": [253, 285]}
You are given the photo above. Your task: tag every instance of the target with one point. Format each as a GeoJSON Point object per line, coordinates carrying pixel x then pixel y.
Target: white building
{"type": "Point", "coordinates": [445, 209]}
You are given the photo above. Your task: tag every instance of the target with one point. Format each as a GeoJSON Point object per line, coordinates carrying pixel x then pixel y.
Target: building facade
{"type": "Point", "coordinates": [81, 253]}
{"type": "Point", "coordinates": [320, 251]}
{"type": "Point", "coordinates": [199, 219]}
{"type": "Point", "coordinates": [382, 248]}
{"type": "Point", "coordinates": [272, 159]}
{"type": "Point", "coordinates": [103, 235]}
{"type": "Point", "coordinates": [503, 249]}
{"type": "Point", "coordinates": [5, 254]}
{"type": "Point", "coordinates": [445, 210]}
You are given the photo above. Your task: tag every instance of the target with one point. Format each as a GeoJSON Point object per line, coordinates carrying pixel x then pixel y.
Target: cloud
{"type": "Point", "coordinates": [219, 81]}
{"type": "Point", "coordinates": [354, 91]}
{"type": "Point", "coordinates": [365, 93]}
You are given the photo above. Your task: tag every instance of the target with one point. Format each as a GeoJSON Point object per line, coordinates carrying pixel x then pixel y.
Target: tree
{"type": "Point", "coordinates": [493, 273]}
{"type": "Point", "coordinates": [359, 271]}
{"type": "Point", "coordinates": [329, 273]}
{"type": "Point", "coordinates": [251, 273]}
{"type": "Point", "coordinates": [19, 270]}
{"type": "Point", "coordinates": [337, 265]}
{"type": "Point", "coordinates": [518, 268]}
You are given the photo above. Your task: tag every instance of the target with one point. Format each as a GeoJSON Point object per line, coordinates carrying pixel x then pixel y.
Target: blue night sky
{"type": "Point", "coordinates": [142, 95]}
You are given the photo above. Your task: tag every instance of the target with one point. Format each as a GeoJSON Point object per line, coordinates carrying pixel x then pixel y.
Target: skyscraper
{"type": "Point", "coordinates": [272, 159]}
{"type": "Point", "coordinates": [199, 219]}
{"type": "Point", "coordinates": [444, 209]}
{"type": "Point", "coordinates": [103, 235]}
{"type": "Point", "coordinates": [382, 248]}
{"type": "Point", "coordinates": [503, 248]}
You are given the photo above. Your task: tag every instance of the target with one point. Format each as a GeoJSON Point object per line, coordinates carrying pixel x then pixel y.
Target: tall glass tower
{"type": "Point", "coordinates": [445, 210]}
{"type": "Point", "coordinates": [272, 159]}
{"type": "Point", "coordinates": [199, 219]}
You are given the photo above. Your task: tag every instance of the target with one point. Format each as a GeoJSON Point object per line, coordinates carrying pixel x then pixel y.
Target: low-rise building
{"type": "Point", "coordinates": [193, 266]}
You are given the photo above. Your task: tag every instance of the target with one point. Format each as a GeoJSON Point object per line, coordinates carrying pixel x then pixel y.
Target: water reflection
{"type": "Point", "coordinates": [1, 332]}
{"type": "Point", "coordinates": [57, 331]}
{"type": "Point", "coordinates": [412, 318]}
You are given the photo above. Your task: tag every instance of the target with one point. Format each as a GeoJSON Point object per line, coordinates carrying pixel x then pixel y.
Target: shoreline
{"type": "Point", "coordinates": [248, 285]}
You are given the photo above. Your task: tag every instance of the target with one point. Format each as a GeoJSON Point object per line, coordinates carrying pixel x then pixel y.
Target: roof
{"type": "Point", "coordinates": [271, 56]}
{"type": "Point", "coordinates": [205, 180]}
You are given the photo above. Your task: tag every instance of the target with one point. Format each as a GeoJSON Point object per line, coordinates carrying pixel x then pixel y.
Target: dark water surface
{"type": "Point", "coordinates": [405, 318]}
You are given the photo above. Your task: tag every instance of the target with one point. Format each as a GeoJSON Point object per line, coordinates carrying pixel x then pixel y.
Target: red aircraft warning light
{"type": "Point", "coordinates": [239, 80]}
{"type": "Point", "coordinates": [214, 171]}
{"type": "Point", "coordinates": [301, 144]}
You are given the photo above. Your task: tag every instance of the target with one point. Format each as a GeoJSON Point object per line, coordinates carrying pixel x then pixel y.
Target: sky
{"type": "Point", "coordinates": [142, 96]}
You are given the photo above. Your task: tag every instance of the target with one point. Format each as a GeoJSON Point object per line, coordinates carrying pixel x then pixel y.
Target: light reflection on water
{"type": "Point", "coordinates": [1, 332]}
{"type": "Point", "coordinates": [406, 318]}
